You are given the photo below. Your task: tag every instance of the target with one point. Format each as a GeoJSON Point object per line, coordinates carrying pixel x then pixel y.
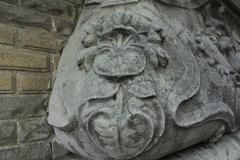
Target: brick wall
{"type": "Point", "coordinates": [32, 35]}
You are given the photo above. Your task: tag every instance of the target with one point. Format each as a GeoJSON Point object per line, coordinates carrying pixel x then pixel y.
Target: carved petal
{"type": "Point", "coordinates": [157, 55]}
{"type": "Point", "coordinates": [123, 136]}
{"type": "Point", "coordinates": [126, 63]}
{"type": "Point", "coordinates": [96, 87]}
{"type": "Point", "coordinates": [142, 86]}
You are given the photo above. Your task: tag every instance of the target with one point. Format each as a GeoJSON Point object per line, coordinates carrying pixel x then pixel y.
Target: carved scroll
{"type": "Point", "coordinates": [134, 83]}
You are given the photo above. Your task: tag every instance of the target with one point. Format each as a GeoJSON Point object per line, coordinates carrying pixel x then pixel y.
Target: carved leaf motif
{"type": "Point", "coordinates": [152, 111]}
{"type": "Point", "coordinates": [206, 113]}
{"type": "Point", "coordinates": [123, 135]}
{"type": "Point", "coordinates": [119, 59]}
{"type": "Point", "coordinates": [96, 87]}
{"type": "Point", "coordinates": [157, 55]}
{"type": "Point", "coordinates": [86, 58]}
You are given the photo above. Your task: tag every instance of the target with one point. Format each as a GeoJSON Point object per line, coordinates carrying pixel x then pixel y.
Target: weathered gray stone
{"type": "Point", "coordinates": [58, 150]}
{"type": "Point", "coordinates": [226, 149]}
{"type": "Point", "coordinates": [8, 132]}
{"type": "Point", "coordinates": [13, 106]}
{"type": "Point", "coordinates": [33, 130]}
{"type": "Point", "coordinates": [139, 80]}
{"type": "Point", "coordinates": [33, 151]}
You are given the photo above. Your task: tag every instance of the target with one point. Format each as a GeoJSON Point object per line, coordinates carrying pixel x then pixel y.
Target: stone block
{"type": "Point", "coordinates": [33, 82]}
{"type": "Point", "coordinates": [12, 58]}
{"type": "Point", "coordinates": [62, 26]}
{"type": "Point", "coordinates": [34, 130]}
{"type": "Point", "coordinates": [22, 106]}
{"type": "Point", "coordinates": [6, 80]}
{"type": "Point", "coordinates": [33, 151]}
{"type": "Point", "coordinates": [27, 17]}
{"type": "Point", "coordinates": [40, 39]}
{"type": "Point", "coordinates": [54, 7]}
{"type": "Point", "coordinates": [58, 150]}
{"type": "Point", "coordinates": [8, 132]}
{"type": "Point", "coordinates": [11, 1]}
{"type": "Point", "coordinates": [7, 34]}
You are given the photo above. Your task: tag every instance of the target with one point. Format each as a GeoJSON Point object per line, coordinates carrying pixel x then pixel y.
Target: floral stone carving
{"type": "Point", "coordinates": [132, 86]}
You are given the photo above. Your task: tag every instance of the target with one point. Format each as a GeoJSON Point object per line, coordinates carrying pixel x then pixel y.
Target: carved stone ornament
{"type": "Point", "coordinates": [134, 83]}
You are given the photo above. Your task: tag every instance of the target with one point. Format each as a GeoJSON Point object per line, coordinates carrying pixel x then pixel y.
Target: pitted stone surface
{"type": "Point", "coordinates": [140, 80]}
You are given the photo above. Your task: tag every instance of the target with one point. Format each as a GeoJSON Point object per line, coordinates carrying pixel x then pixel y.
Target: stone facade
{"type": "Point", "coordinates": [32, 35]}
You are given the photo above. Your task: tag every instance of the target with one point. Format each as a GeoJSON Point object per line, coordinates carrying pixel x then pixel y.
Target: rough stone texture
{"type": "Point", "coordinates": [76, 1]}
{"type": "Point", "coordinates": [40, 39]}
{"type": "Point", "coordinates": [33, 151]}
{"type": "Point", "coordinates": [226, 149]}
{"type": "Point", "coordinates": [54, 7]}
{"type": "Point", "coordinates": [58, 150]}
{"type": "Point", "coordinates": [14, 14]}
{"type": "Point", "coordinates": [7, 34]}
{"type": "Point", "coordinates": [11, 1]}
{"type": "Point", "coordinates": [32, 35]}
{"type": "Point", "coordinates": [28, 17]}
{"type": "Point", "coordinates": [135, 84]}
{"type": "Point", "coordinates": [54, 61]}
{"type": "Point", "coordinates": [28, 83]}
{"type": "Point", "coordinates": [33, 130]}
{"type": "Point", "coordinates": [20, 106]}
{"type": "Point", "coordinates": [62, 26]}
{"type": "Point", "coordinates": [145, 80]}
{"type": "Point", "coordinates": [71, 157]}
{"type": "Point", "coordinates": [237, 106]}
{"type": "Point", "coordinates": [6, 82]}
{"type": "Point", "coordinates": [186, 3]}
{"type": "Point", "coordinates": [8, 132]}
{"type": "Point", "coordinates": [13, 58]}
